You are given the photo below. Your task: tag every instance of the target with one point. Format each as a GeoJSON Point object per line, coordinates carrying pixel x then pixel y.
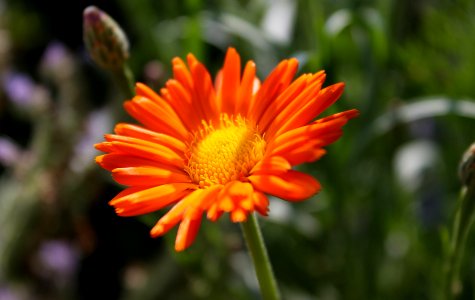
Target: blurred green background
{"type": "Point", "coordinates": [378, 230]}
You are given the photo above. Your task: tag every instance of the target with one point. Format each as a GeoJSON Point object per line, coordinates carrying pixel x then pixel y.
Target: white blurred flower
{"type": "Point", "coordinates": [414, 162]}
{"type": "Point", "coordinates": [279, 20]}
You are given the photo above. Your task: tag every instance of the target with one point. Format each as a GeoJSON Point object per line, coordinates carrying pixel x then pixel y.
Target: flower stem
{"type": "Point", "coordinates": [258, 251]}
{"type": "Point", "coordinates": [464, 219]}
{"type": "Point", "coordinates": [125, 80]}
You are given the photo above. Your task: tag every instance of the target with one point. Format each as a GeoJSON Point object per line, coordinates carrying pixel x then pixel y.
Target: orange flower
{"type": "Point", "coordinates": [215, 148]}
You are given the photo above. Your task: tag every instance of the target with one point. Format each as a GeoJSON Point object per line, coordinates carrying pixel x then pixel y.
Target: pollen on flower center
{"type": "Point", "coordinates": [226, 153]}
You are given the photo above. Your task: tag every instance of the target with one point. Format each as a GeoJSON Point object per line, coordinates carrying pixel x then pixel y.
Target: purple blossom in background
{"type": "Point", "coordinates": [57, 63]}
{"type": "Point", "coordinates": [19, 88]}
{"type": "Point", "coordinates": [96, 121]}
{"type": "Point", "coordinates": [54, 55]}
{"type": "Point", "coordinates": [7, 294]}
{"type": "Point", "coordinates": [57, 260]}
{"type": "Point", "coordinates": [9, 152]}
{"type": "Point", "coordinates": [154, 71]}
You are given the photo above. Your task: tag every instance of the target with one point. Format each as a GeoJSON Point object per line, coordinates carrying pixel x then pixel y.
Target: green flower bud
{"type": "Point", "coordinates": [105, 41]}
{"type": "Point", "coordinates": [467, 167]}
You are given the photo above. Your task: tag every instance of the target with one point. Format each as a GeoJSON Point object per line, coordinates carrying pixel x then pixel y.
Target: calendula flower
{"type": "Point", "coordinates": [210, 148]}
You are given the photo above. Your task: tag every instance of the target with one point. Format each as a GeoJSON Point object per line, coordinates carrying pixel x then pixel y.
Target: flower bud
{"type": "Point", "coordinates": [467, 167]}
{"type": "Point", "coordinates": [105, 40]}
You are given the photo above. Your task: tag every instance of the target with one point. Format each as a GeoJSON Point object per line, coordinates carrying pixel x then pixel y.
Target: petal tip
{"type": "Point", "coordinates": [339, 85]}
{"type": "Point", "coordinates": [99, 159]}
{"type": "Point", "coordinates": [238, 216]}
{"type": "Point", "coordinates": [157, 230]}
{"type": "Point", "coordinates": [352, 113]}
{"type": "Point", "coordinates": [179, 248]}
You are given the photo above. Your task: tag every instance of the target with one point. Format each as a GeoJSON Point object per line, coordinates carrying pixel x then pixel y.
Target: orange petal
{"type": "Point", "coordinates": [130, 190]}
{"type": "Point", "coordinates": [304, 149]}
{"type": "Point", "coordinates": [246, 89]}
{"type": "Point", "coordinates": [158, 116]}
{"type": "Point", "coordinates": [303, 144]}
{"type": "Point", "coordinates": [261, 202]}
{"type": "Point", "coordinates": [181, 73]}
{"type": "Point", "coordinates": [317, 129]}
{"type": "Point", "coordinates": [200, 199]}
{"type": "Point", "coordinates": [204, 97]}
{"type": "Point", "coordinates": [173, 217]}
{"type": "Point", "coordinates": [274, 84]}
{"type": "Point", "coordinates": [160, 147]}
{"type": "Point", "coordinates": [218, 81]}
{"type": "Point", "coordinates": [104, 147]}
{"type": "Point", "coordinates": [239, 215]}
{"type": "Point", "coordinates": [308, 95]}
{"type": "Point", "coordinates": [187, 232]}
{"type": "Point", "coordinates": [214, 212]}
{"type": "Point", "coordinates": [348, 114]}
{"type": "Point", "coordinates": [144, 149]}
{"type": "Point", "coordinates": [292, 186]}
{"type": "Point", "coordinates": [302, 116]}
{"type": "Point", "coordinates": [295, 96]}
{"type": "Point", "coordinates": [137, 176]}
{"type": "Point", "coordinates": [139, 141]}
{"type": "Point", "coordinates": [289, 94]}
{"type": "Point", "coordinates": [134, 201]}
{"type": "Point", "coordinates": [142, 195]}
{"type": "Point", "coordinates": [115, 160]}
{"type": "Point", "coordinates": [144, 91]}
{"type": "Point", "coordinates": [235, 195]}
{"type": "Point", "coordinates": [149, 135]}
{"type": "Point", "coordinates": [230, 82]}
{"type": "Point", "coordinates": [140, 209]}
{"type": "Point", "coordinates": [306, 153]}
{"type": "Point", "coordinates": [180, 98]}
{"type": "Point", "coordinates": [271, 165]}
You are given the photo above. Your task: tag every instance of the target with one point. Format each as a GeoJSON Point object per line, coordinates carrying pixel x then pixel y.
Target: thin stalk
{"type": "Point", "coordinates": [464, 219]}
{"type": "Point", "coordinates": [257, 249]}
{"type": "Point", "coordinates": [125, 80]}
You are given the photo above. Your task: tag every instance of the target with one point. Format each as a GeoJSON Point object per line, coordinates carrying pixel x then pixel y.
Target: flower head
{"type": "Point", "coordinates": [210, 148]}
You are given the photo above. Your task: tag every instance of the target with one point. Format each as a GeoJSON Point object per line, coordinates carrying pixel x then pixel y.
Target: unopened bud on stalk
{"type": "Point", "coordinates": [105, 40]}
{"type": "Point", "coordinates": [467, 167]}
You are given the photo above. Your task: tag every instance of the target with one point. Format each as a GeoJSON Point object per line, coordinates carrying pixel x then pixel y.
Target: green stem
{"type": "Point", "coordinates": [125, 80]}
{"type": "Point", "coordinates": [464, 219]}
{"type": "Point", "coordinates": [262, 266]}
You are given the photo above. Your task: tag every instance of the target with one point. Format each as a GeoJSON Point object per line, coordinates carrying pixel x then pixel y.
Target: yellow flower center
{"type": "Point", "coordinates": [220, 155]}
